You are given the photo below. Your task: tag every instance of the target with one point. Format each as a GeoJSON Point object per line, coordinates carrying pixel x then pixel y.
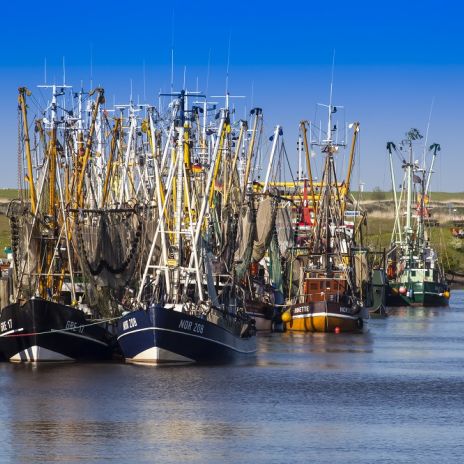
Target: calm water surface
{"type": "Point", "coordinates": [392, 395]}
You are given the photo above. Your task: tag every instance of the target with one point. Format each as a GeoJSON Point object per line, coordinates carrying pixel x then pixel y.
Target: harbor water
{"type": "Point", "coordinates": [394, 394]}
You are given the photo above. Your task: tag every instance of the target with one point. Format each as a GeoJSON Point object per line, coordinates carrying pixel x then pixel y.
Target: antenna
{"type": "Point", "coordinates": [91, 66]}
{"type": "Point", "coordinates": [131, 90]}
{"type": "Point", "coordinates": [207, 74]}
{"type": "Point", "coordinates": [252, 93]}
{"type": "Point", "coordinates": [172, 51]}
{"type": "Point", "coordinates": [228, 63]}
{"type": "Point", "coordinates": [144, 83]}
{"type": "Point", "coordinates": [64, 72]}
{"type": "Point", "coordinates": [329, 124]}
{"type": "Point", "coordinates": [332, 78]}
{"type": "Point", "coordinates": [45, 70]}
{"type": "Point", "coordinates": [172, 70]}
{"type": "Point", "coordinates": [185, 73]}
{"type": "Point", "coordinates": [427, 132]}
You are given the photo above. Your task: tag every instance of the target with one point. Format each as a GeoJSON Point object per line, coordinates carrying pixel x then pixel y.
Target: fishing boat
{"type": "Point", "coordinates": [415, 275]}
{"type": "Point", "coordinates": [188, 307]}
{"type": "Point", "coordinates": [264, 282]}
{"type": "Point", "coordinates": [49, 319]}
{"type": "Point", "coordinates": [322, 269]}
{"type": "Point", "coordinates": [40, 330]}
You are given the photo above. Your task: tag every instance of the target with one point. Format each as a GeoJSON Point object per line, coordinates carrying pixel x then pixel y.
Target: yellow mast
{"type": "Point", "coordinates": [88, 146]}
{"type": "Point", "coordinates": [243, 128]}
{"type": "Point", "coordinates": [23, 91]}
{"type": "Point", "coordinates": [217, 164]}
{"type": "Point", "coordinates": [52, 173]}
{"type": "Point", "coordinates": [350, 164]}
{"type": "Point", "coordinates": [308, 165]}
{"type": "Point", "coordinates": [257, 112]}
{"type": "Point", "coordinates": [109, 168]}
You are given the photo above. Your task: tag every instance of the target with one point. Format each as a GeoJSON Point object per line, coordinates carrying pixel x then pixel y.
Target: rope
{"type": "Point", "coordinates": [73, 329]}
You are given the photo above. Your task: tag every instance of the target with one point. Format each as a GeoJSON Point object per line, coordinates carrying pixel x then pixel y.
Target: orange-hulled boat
{"type": "Point", "coordinates": [327, 307]}
{"type": "Point", "coordinates": [330, 274]}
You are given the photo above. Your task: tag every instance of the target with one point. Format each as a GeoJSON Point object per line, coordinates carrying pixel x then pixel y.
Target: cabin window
{"type": "Point", "coordinates": [314, 286]}
{"type": "Point", "coordinates": [427, 273]}
{"type": "Point", "coordinates": [413, 273]}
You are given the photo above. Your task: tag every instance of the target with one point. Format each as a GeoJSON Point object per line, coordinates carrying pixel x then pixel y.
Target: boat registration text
{"type": "Point", "coordinates": [129, 323]}
{"type": "Point", "coordinates": [191, 326]}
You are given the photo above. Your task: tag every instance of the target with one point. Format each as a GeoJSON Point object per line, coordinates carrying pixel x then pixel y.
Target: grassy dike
{"type": "Point", "coordinates": [5, 196]}
{"type": "Point", "coordinates": [445, 207]}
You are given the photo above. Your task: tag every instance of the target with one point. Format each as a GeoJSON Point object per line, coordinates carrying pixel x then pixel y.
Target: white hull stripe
{"type": "Point", "coordinates": [9, 332]}
{"type": "Point", "coordinates": [340, 316]}
{"type": "Point", "coordinates": [81, 336]}
{"type": "Point", "coordinates": [62, 332]}
{"type": "Point", "coordinates": [427, 293]}
{"type": "Point", "coordinates": [258, 315]}
{"type": "Point", "coordinates": [186, 333]}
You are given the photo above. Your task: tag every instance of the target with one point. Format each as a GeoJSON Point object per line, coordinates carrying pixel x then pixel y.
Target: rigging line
{"type": "Point", "coordinates": [399, 155]}
{"type": "Point", "coordinates": [69, 329]}
{"type": "Point", "coordinates": [288, 161]}
{"type": "Point", "coordinates": [427, 133]}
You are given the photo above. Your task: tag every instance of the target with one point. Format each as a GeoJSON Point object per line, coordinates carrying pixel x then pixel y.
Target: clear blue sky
{"type": "Point", "coordinates": [392, 59]}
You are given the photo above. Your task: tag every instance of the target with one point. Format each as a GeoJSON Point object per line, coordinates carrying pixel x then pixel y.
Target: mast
{"type": "Point", "coordinates": [350, 163]}
{"type": "Point", "coordinates": [100, 100]}
{"type": "Point", "coordinates": [391, 146]}
{"type": "Point", "coordinates": [408, 230]}
{"type": "Point", "coordinates": [308, 164]}
{"type": "Point", "coordinates": [256, 112]}
{"type": "Point", "coordinates": [277, 132]}
{"type": "Point", "coordinates": [109, 166]}
{"type": "Point", "coordinates": [23, 91]}
{"type": "Point", "coordinates": [179, 198]}
{"type": "Point", "coordinates": [436, 148]}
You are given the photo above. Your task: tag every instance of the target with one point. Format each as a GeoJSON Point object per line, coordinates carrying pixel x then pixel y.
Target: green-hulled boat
{"type": "Point", "coordinates": [415, 276]}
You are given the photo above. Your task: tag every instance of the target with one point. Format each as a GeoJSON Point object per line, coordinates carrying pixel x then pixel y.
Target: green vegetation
{"type": "Point", "coordinates": [434, 196]}
{"type": "Point", "coordinates": [5, 196]}
{"type": "Point", "coordinates": [449, 248]}
{"type": "Point", "coordinates": [379, 224]}
{"type": "Point", "coordinates": [4, 234]}
{"type": "Point", "coordinates": [378, 194]}
{"type": "Point", "coordinates": [8, 194]}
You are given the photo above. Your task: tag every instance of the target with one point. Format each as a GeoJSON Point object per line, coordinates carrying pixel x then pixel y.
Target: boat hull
{"type": "Point", "coordinates": [423, 294]}
{"type": "Point", "coordinates": [262, 322]}
{"type": "Point", "coordinates": [322, 317]}
{"type": "Point", "coordinates": [263, 314]}
{"type": "Point", "coordinates": [41, 330]}
{"type": "Point", "coordinates": [159, 335]}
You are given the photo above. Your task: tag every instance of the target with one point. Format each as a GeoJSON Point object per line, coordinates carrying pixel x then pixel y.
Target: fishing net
{"type": "Point", "coordinates": [245, 238]}
{"type": "Point", "coordinates": [108, 244]}
{"type": "Point", "coordinates": [284, 230]}
{"type": "Point", "coordinates": [265, 220]}
{"type": "Point", "coordinates": [361, 268]}
{"type": "Point", "coordinates": [295, 268]}
{"type": "Point", "coordinates": [275, 264]}
{"type": "Point", "coordinates": [26, 253]}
